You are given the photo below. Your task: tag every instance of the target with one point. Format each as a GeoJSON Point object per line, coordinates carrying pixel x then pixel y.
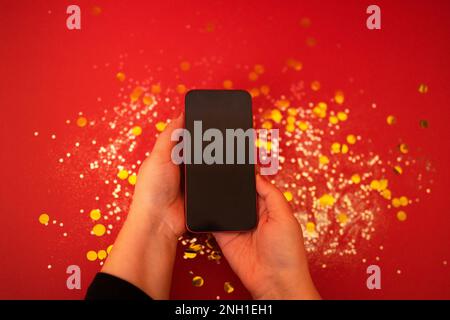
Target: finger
{"type": "Point", "coordinates": [275, 202]}
{"type": "Point", "coordinates": [164, 144]}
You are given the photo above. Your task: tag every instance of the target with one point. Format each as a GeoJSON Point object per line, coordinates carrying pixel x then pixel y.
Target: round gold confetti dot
{"type": "Point", "coordinates": [99, 230]}
{"type": "Point", "coordinates": [228, 287]}
{"type": "Point", "coordinates": [342, 218]}
{"type": "Point", "coordinates": [44, 218]}
{"type": "Point", "coordinates": [288, 195]}
{"type": "Point", "coordinates": [185, 66]}
{"type": "Point", "coordinates": [403, 201]}
{"type": "Point", "coordinates": [91, 255]}
{"type": "Point", "coordinates": [333, 119]}
{"type": "Point", "coordinates": [276, 115]}
{"type": "Point", "coordinates": [123, 174]}
{"type": "Point", "coordinates": [310, 227]}
{"type": "Point", "coordinates": [283, 104]}
{"type": "Point", "coordinates": [108, 250]}
{"type": "Point", "coordinates": [303, 125]}
{"type": "Point", "coordinates": [148, 100]}
{"type": "Point", "coordinates": [228, 84]}
{"type": "Point", "coordinates": [351, 139]}
{"type": "Point", "coordinates": [81, 122]}
{"type": "Point", "coordinates": [155, 88]}
{"type": "Point", "coordinates": [181, 88]}
{"type": "Point", "coordinates": [160, 126]}
{"type": "Point", "coordinates": [132, 179]}
{"type": "Point", "coordinates": [396, 203]}
{"type": "Point", "coordinates": [120, 76]}
{"type": "Point", "coordinates": [342, 116]}
{"type": "Point", "coordinates": [267, 125]}
{"type": "Point", "coordinates": [339, 97]}
{"type": "Point", "coordinates": [375, 184]}
{"type": "Point", "coordinates": [136, 93]}
{"type": "Point", "coordinates": [136, 130]}
{"type": "Point", "coordinates": [356, 178]}
{"type": "Point", "coordinates": [95, 214]}
{"type": "Point", "coordinates": [391, 120]}
{"type": "Point", "coordinates": [197, 281]}
{"type": "Point", "coordinates": [315, 86]}
{"type": "Point", "coordinates": [403, 148]}
{"type": "Point", "coordinates": [101, 254]}
{"type": "Point", "coordinates": [290, 127]}
{"type": "Point", "coordinates": [344, 149]}
{"type": "Point", "coordinates": [401, 215]}
{"type": "Point", "coordinates": [294, 64]}
{"type": "Point", "coordinates": [335, 147]}
{"type": "Point", "coordinates": [423, 88]}
{"type": "Point", "coordinates": [387, 194]}
{"type": "Point", "coordinates": [326, 200]}
{"type": "Point", "coordinates": [324, 159]}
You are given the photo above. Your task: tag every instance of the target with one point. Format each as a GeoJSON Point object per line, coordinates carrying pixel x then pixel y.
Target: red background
{"type": "Point", "coordinates": [48, 76]}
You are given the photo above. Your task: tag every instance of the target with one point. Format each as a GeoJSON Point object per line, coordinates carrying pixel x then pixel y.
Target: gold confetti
{"type": "Point", "coordinates": [342, 218]}
{"type": "Point", "coordinates": [276, 115]}
{"type": "Point", "coordinates": [310, 227]}
{"type": "Point", "coordinates": [91, 255]}
{"type": "Point", "coordinates": [339, 97]}
{"type": "Point", "coordinates": [290, 127]}
{"type": "Point", "coordinates": [136, 131]}
{"type": "Point", "coordinates": [122, 174]}
{"type": "Point", "coordinates": [101, 254]}
{"type": "Point", "coordinates": [403, 148]}
{"type": "Point", "coordinates": [148, 99]}
{"type": "Point", "coordinates": [120, 76]}
{"type": "Point", "coordinates": [160, 126]}
{"type": "Point", "coordinates": [108, 250]}
{"type": "Point", "coordinates": [228, 287]}
{"type": "Point", "coordinates": [333, 119]}
{"type": "Point", "coordinates": [398, 170]}
{"type": "Point", "coordinates": [391, 120]}
{"type": "Point", "coordinates": [336, 147]}
{"type": "Point", "coordinates": [342, 116]}
{"type": "Point", "coordinates": [197, 281]}
{"type": "Point", "coordinates": [303, 125]}
{"type": "Point", "coordinates": [254, 92]}
{"type": "Point", "coordinates": [44, 218]}
{"type": "Point", "coordinates": [403, 201]}
{"type": "Point", "coordinates": [136, 93]}
{"type": "Point", "coordinates": [305, 22]}
{"type": "Point", "coordinates": [288, 195]}
{"type": "Point", "coordinates": [315, 85]}
{"type": "Point", "coordinates": [96, 10]}
{"type": "Point", "coordinates": [294, 64]}
{"type": "Point", "coordinates": [356, 179]}
{"type": "Point", "coordinates": [189, 255]}
{"type": "Point", "coordinates": [351, 139]}
{"type": "Point", "coordinates": [323, 159]}
{"type": "Point", "coordinates": [401, 215]}
{"type": "Point", "coordinates": [155, 88]}
{"type": "Point", "coordinates": [253, 76]}
{"type": "Point", "coordinates": [228, 84]}
{"type": "Point", "coordinates": [132, 179]}
{"type": "Point", "coordinates": [81, 122]}
{"type": "Point", "coordinates": [396, 203]}
{"type": "Point", "coordinates": [267, 125]}
{"type": "Point", "coordinates": [99, 230]}
{"type": "Point", "coordinates": [423, 124]}
{"type": "Point", "coordinates": [326, 200]}
{"type": "Point", "coordinates": [423, 88]}
{"type": "Point", "coordinates": [181, 88]}
{"type": "Point", "coordinates": [95, 214]}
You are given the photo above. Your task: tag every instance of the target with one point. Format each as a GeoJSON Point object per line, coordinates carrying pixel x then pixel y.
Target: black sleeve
{"type": "Point", "coordinates": [108, 287]}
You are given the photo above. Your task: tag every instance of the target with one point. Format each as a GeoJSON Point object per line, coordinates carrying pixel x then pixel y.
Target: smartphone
{"type": "Point", "coordinates": [220, 188]}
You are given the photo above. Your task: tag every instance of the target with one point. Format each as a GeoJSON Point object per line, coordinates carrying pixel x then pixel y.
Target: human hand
{"type": "Point", "coordinates": [270, 260]}
{"type": "Point", "coordinates": [144, 251]}
{"type": "Point", "coordinates": [157, 196]}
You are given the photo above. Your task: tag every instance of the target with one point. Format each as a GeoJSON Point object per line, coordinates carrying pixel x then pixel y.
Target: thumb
{"type": "Point", "coordinates": [164, 144]}
{"type": "Point", "coordinates": [276, 203]}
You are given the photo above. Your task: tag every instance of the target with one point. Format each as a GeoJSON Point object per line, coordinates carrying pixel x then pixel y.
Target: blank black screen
{"type": "Point", "coordinates": [219, 197]}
